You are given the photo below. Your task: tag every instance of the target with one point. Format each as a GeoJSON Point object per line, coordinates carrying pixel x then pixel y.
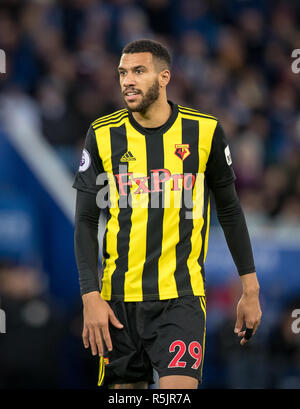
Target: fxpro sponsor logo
{"type": "Point", "coordinates": [154, 183]}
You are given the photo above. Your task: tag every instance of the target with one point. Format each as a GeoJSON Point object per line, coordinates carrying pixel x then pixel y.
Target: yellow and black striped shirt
{"type": "Point", "coordinates": [157, 228]}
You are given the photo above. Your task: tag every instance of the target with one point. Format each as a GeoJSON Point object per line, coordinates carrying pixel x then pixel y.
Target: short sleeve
{"type": "Point", "coordinates": [90, 165]}
{"type": "Point", "coordinates": [219, 171]}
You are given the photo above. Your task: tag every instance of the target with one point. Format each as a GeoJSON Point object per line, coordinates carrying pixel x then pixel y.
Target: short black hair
{"type": "Point", "coordinates": [149, 46]}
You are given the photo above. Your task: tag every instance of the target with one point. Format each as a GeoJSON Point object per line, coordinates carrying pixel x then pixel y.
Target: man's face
{"type": "Point", "coordinates": [139, 81]}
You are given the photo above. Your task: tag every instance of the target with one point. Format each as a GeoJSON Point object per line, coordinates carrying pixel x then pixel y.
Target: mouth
{"type": "Point", "coordinates": [131, 95]}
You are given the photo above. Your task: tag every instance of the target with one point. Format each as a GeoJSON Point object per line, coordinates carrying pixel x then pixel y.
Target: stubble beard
{"type": "Point", "coordinates": [151, 96]}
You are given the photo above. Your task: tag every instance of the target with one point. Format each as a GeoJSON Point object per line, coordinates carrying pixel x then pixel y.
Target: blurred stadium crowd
{"type": "Point", "coordinates": [231, 59]}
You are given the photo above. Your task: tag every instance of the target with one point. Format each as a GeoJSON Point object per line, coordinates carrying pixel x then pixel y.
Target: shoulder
{"type": "Point", "coordinates": [194, 113]}
{"type": "Point", "coordinates": [110, 119]}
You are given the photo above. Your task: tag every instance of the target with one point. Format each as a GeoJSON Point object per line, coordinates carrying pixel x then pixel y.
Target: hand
{"type": "Point", "coordinates": [96, 316]}
{"type": "Point", "coordinates": [248, 309]}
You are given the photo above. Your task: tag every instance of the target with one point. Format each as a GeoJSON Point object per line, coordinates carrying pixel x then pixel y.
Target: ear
{"type": "Point", "coordinates": [164, 78]}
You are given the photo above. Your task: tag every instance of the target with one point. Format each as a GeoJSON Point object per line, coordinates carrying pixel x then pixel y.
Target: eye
{"type": "Point", "coordinates": [139, 71]}
{"type": "Point", "coordinates": [122, 73]}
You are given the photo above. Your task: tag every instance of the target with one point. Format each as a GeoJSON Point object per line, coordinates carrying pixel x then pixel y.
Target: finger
{"type": "Point", "coordinates": [238, 324]}
{"type": "Point", "coordinates": [106, 337]}
{"type": "Point", "coordinates": [243, 341]}
{"type": "Point", "coordinates": [85, 337]}
{"type": "Point", "coordinates": [114, 320]}
{"type": "Point", "coordinates": [256, 325]}
{"type": "Point", "coordinates": [92, 341]}
{"type": "Point", "coordinates": [248, 333]}
{"type": "Point", "coordinates": [98, 340]}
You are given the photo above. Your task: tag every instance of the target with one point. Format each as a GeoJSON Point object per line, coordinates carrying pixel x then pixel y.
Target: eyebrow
{"type": "Point", "coordinates": [133, 68]}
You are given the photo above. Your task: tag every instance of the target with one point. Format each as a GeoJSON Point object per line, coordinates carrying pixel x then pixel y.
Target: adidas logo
{"type": "Point", "coordinates": [127, 157]}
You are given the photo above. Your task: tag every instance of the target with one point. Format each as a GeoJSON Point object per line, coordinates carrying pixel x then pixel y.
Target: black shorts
{"type": "Point", "coordinates": [167, 335]}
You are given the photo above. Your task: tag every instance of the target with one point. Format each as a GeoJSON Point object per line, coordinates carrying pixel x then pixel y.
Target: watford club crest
{"type": "Point", "coordinates": [182, 151]}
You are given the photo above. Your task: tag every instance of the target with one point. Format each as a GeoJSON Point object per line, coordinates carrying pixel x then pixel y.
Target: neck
{"type": "Point", "coordinates": [156, 115]}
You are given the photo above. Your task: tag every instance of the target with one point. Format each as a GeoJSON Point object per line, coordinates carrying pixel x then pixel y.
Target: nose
{"type": "Point", "coordinates": [129, 80]}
